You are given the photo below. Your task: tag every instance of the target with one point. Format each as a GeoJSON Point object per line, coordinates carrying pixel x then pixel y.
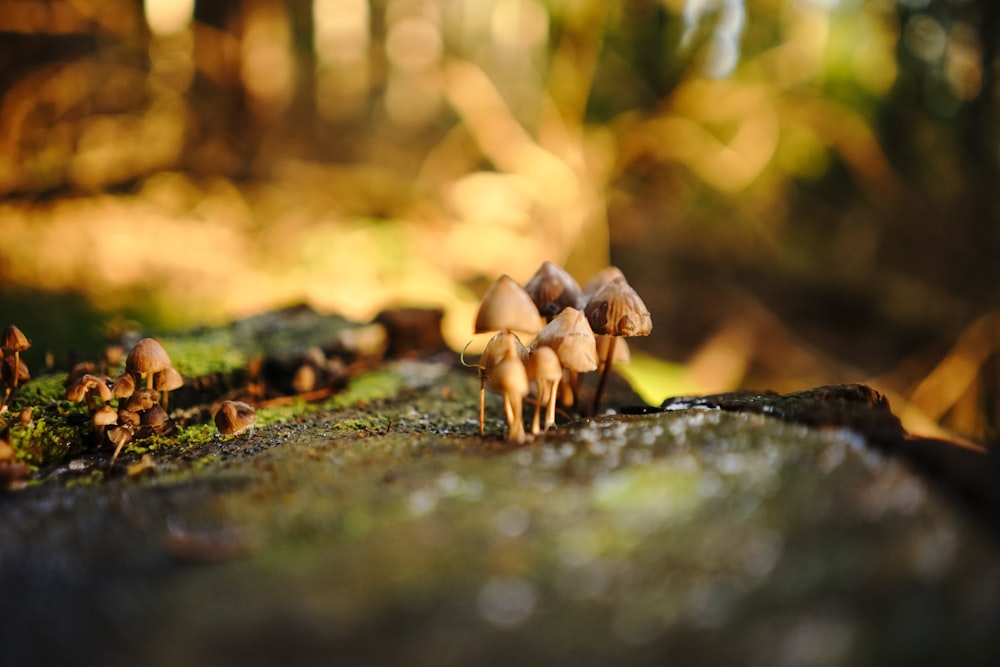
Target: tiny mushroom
{"type": "Point", "coordinates": [147, 358]}
{"type": "Point", "coordinates": [544, 368]}
{"type": "Point", "coordinates": [616, 310]}
{"type": "Point", "coordinates": [89, 387]}
{"type": "Point", "coordinates": [510, 379]}
{"type": "Point", "coordinates": [234, 417]}
{"type": "Point", "coordinates": [493, 354]}
{"type": "Point", "coordinates": [166, 381]}
{"type": "Point", "coordinates": [13, 341]}
{"type": "Point", "coordinates": [570, 335]}
{"type": "Point", "coordinates": [553, 289]}
{"type": "Point", "coordinates": [119, 436]}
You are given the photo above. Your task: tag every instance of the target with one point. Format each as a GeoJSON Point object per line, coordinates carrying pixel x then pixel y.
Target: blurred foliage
{"type": "Point", "coordinates": [802, 190]}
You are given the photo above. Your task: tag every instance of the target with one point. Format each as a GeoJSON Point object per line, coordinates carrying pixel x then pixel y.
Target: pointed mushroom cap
{"type": "Point", "coordinates": [602, 278]}
{"type": "Point", "coordinates": [234, 417]}
{"type": "Point", "coordinates": [148, 356]}
{"type": "Point", "coordinates": [507, 306]}
{"type": "Point", "coordinates": [553, 289]}
{"type": "Point", "coordinates": [617, 310]}
{"type": "Point", "coordinates": [497, 349]}
{"type": "Point", "coordinates": [510, 378]}
{"type": "Point", "coordinates": [570, 335]}
{"type": "Point", "coordinates": [14, 340]}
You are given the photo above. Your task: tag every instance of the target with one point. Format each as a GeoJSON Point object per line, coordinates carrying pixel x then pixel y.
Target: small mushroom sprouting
{"type": "Point", "coordinates": [235, 417]}
{"type": "Point", "coordinates": [14, 371]}
{"type": "Point", "coordinates": [570, 336]}
{"type": "Point", "coordinates": [165, 382]}
{"type": "Point", "coordinates": [509, 378]}
{"type": "Point", "coordinates": [553, 289]}
{"type": "Point", "coordinates": [616, 310]}
{"type": "Point", "coordinates": [506, 307]}
{"type": "Point", "coordinates": [544, 368]}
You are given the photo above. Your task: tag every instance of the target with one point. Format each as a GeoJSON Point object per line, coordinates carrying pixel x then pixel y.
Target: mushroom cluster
{"type": "Point", "coordinates": [13, 370]}
{"type": "Point", "coordinates": [140, 395]}
{"type": "Point", "coordinates": [580, 335]}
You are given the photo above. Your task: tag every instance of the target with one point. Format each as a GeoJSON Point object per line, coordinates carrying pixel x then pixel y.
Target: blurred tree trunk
{"type": "Point", "coordinates": [224, 140]}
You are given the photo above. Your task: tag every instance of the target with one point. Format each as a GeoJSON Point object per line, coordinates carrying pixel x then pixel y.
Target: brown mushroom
{"type": "Point", "coordinates": [507, 306]}
{"type": "Point", "coordinates": [123, 386]}
{"type": "Point", "coordinates": [493, 354]}
{"type": "Point", "coordinates": [147, 358]}
{"type": "Point", "coordinates": [119, 436]}
{"type": "Point", "coordinates": [234, 417]}
{"type": "Point", "coordinates": [89, 387]}
{"type": "Point", "coordinates": [510, 379]}
{"type": "Point", "coordinates": [570, 335]}
{"type": "Point", "coordinates": [553, 289]}
{"type": "Point", "coordinates": [166, 381]}
{"type": "Point", "coordinates": [616, 310]}
{"type": "Point", "coordinates": [544, 368]}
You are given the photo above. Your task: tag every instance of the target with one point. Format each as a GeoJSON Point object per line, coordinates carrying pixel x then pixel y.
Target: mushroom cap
{"type": "Point", "coordinates": [617, 310]}
{"type": "Point", "coordinates": [128, 417]}
{"type": "Point", "coordinates": [123, 387]}
{"type": "Point", "coordinates": [119, 435]}
{"type": "Point", "coordinates": [600, 279]}
{"type": "Point", "coordinates": [168, 379]}
{"type": "Point", "coordinates": [553, 289]}
{"type": "Point", "coordinates": [106, 416]}
{"type": "Point", "coordinates": [234, 417]}
{"type": "Point", "coordinates": [507, 306]}
{"type": "Point", "coordinates": [570, 335]}
{"type": "Point", "coordinates": [143, 399]}
{"type": "Point", "coordinates": [77, 390]}
{"type": "Point", "coordinates": [543, 364]}
{"type": "Point", "coordinates": [497, 349]}
{"type": "Point", "coordinates": [14, 340]}
{"type": "Point", "coordinates": [148, 356]}
{"type": "Point", "coordinates": [155, 417]}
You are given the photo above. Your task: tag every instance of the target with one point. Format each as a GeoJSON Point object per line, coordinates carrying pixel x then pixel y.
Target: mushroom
{"type": "Point", "coordinates": [103, 418]}
{"type": "Point", "coordinates": [553, 289]}
{"type": "Point", "coordinates": [119, 436]}
{"type": "Point", "coordinates": [14, 370]}
{"type": "Point", "coordinates": [156, 419]}
{"type": "Point", "coordinates": [602, 278]}
{"type": "Point", "coordinates": [544, 368]}
{"type": "Point", "coordinates": [570, 336]}
{"type": "Point", "coordinates": [123, 386]}
{"type": "Point", "coordinates": [147, 358]}
{"type": "Point", "coordinates": [89, 387]}
{"type": "Point", "coordinates": [507, 306]}
{"type": "Point", "coordinates": [234, 417]}
{"type": "Point", "coordinates": [493, 354]}
{"type": "Point", "coordinates": [509, 378]}
{"type": "Point", "coordinates": [166, 381]}
{"type": "Point", "coordinates": [616, 310]}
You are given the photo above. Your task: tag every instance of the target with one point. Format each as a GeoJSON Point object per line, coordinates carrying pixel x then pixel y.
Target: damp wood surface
{"type": "Point", "coordinates": [375, 526]}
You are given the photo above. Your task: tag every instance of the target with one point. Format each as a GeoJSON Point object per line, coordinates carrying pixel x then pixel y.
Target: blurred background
{"type": "Point", "coordinates": [803, 191]}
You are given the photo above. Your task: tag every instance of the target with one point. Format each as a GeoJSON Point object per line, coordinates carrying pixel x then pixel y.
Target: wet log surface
{"type": "Point", "coordinates": [745, 528]}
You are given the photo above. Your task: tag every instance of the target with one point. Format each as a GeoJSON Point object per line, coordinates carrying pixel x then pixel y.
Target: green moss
{"type": "Point", "coordinates": [207, 353]}
{"type": "Point", "coordinates": [373, 386]}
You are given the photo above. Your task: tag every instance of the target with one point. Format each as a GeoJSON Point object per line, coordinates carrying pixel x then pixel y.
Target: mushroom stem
{"type": "Point", "coordinates": [482, 403]}
{"type": "Point", "coordinates": [17, 364]}
{"type": "Point", "coordinates": [605, 372]}
{"type": "Point", "coordinates": [550, 412]}
{"type": "Point", "coordinates": [515, 423]}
